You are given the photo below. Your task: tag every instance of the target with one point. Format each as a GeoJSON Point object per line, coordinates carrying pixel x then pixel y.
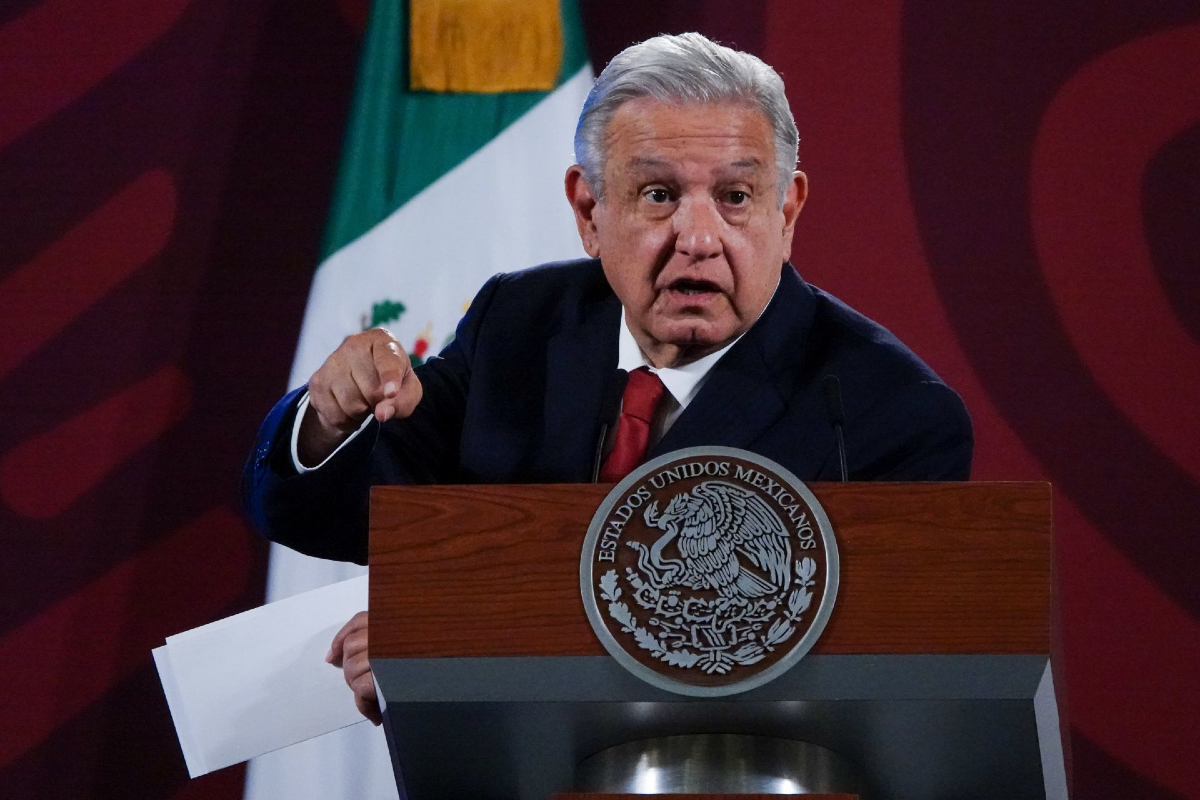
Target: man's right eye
{"type": "Point", "coordinates": [658, 195]}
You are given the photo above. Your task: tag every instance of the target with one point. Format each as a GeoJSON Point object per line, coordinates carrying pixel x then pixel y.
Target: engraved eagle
{"type": "Point", "coordinates": [718, 529]}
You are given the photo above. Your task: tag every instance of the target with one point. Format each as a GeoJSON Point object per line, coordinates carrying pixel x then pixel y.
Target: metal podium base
{"type": "Point", "coordinates": [517, 728]}
{"type": "Point", "coordinates": [713, 763]}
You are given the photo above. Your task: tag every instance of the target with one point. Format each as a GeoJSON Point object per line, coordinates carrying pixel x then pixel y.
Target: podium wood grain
{"type": "Point", "coordinates": [494, 570]}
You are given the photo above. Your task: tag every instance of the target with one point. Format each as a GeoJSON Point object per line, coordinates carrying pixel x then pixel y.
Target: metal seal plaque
{"type": "Point", "coordinates": [709, 571]}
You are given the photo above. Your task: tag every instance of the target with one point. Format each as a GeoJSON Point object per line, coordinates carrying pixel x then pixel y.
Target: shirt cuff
{"type": "Point", "coordinates": [301, 410]}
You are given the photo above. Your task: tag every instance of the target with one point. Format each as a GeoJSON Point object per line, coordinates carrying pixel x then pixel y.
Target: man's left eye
{"type": "Point", "coordinates": [737, 198]}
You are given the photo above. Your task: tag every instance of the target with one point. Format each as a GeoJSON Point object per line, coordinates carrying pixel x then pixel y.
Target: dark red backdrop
{"type": "Point", "coordinates": [1012, 187]}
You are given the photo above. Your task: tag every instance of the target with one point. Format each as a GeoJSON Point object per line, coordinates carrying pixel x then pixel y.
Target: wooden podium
{"type": "Point", "coordinates": [932, 676]}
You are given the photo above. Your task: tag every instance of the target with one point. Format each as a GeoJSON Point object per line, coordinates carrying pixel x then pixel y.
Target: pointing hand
{"type": "Point", "coordinates": [368, 374]}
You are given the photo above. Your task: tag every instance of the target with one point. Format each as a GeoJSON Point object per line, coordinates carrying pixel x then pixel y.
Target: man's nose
{"type": "Point", "coordinates": [697, 229]}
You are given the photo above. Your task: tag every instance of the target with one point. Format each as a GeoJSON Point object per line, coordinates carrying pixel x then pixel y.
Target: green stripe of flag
{"type": "Point", "coordinates": [399, 141]}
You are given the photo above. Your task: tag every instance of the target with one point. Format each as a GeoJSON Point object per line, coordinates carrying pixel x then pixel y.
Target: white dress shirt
{"type": "Point", "coordinates": [682, 383]}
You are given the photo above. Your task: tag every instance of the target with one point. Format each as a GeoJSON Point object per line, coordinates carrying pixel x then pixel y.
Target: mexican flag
{"type": "Point", "coordinates": [452, 171]}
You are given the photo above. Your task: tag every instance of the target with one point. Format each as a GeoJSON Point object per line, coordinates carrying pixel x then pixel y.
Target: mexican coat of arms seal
{"type": "Point", "coordinates": [709, 571]}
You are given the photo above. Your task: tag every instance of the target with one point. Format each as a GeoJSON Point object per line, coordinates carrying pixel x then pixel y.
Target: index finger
{"type": "Point", "coordinates": [391, 363]}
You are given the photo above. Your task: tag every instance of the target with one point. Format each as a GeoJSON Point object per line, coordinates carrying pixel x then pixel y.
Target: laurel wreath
{"type": "Point", "coordinates": [714, 661]}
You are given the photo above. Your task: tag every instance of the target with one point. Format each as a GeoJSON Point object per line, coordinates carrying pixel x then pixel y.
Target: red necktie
{"type": "Point", "coordinates": [642, 395]}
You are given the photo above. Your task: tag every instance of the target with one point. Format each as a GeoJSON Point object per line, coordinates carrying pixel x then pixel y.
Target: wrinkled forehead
{"type": "Point", "coordinates": [647, 169]}
{"type": "Point", "coordinates": [648, 136]}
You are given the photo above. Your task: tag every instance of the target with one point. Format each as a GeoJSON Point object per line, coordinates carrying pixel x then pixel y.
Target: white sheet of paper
{"type": "Point", "coordinates": [257, 681]}
{"type": "Point", "coordinates": [166, 674]}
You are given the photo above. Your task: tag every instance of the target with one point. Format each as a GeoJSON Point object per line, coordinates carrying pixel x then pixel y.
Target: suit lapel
{"type": "Point", "coordinates": [738, 402]}
{"type": "Point", "coordinates": [582, 359]}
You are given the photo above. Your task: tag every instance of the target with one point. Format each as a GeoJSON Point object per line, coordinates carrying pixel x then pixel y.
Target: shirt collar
{"type": "Point", "coordinates": [682, 382]}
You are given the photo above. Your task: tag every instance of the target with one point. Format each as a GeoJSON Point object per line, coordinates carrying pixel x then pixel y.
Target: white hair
{"type": "Point", "coordinates": [688, 68]}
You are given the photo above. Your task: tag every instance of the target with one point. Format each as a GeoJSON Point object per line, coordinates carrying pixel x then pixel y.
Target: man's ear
{"type": "Point", "coordinates": [793, 201]}
{"type": "Point", "coordinates": [583, 203]}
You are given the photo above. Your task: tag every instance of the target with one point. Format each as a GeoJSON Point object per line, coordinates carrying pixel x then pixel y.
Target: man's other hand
{"type": "Point", "coordinates": [368, 374]}
{"type": "Point", "coordinates": [349, 651]}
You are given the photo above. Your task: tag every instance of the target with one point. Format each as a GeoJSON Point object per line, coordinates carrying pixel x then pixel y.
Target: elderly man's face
{"type": "Point", "coordinates": [690, 231]}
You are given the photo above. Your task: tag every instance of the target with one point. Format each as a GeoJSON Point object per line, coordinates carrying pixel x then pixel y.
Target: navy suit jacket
{"type": "Point", "coordinates": [517, 396]}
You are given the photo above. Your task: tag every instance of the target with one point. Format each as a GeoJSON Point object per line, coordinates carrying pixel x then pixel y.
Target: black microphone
{"type": "Point", "coordinates": [837, 415]}
{"type": "Point", "coordinates": [610, 406]}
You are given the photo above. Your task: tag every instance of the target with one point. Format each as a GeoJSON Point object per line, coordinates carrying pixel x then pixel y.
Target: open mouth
{"type": "Point", "coordinates": [690, 287]}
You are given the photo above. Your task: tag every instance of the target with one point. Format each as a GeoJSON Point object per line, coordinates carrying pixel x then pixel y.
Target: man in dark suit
{"type": "Point", "coordinates": [518, 397]}
{"type": "Point", "coordinates": [685, 196]}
